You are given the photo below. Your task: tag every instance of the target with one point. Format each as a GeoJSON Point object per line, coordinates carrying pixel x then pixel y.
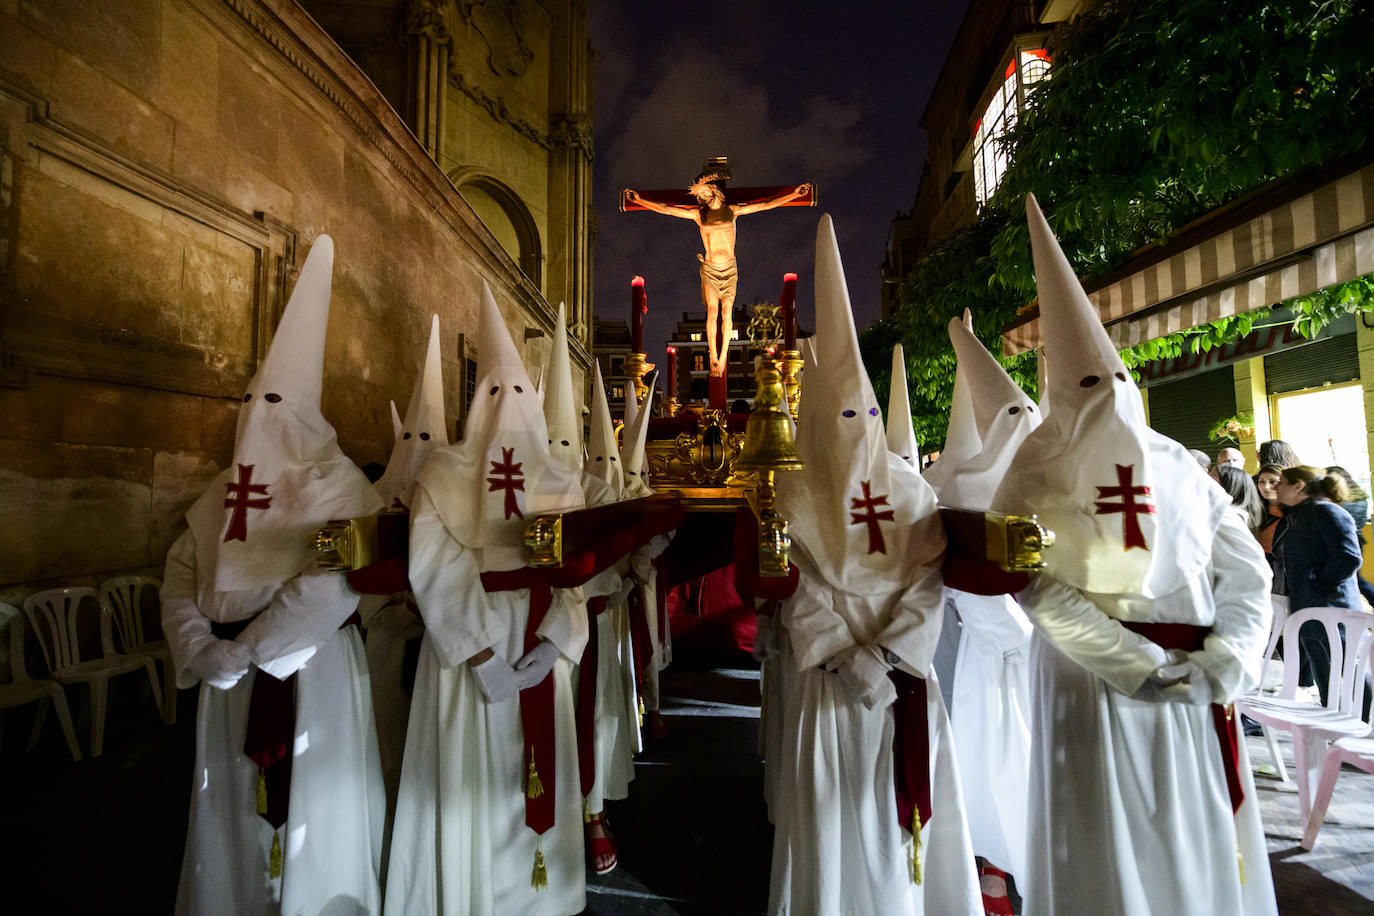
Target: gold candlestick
{"type": "Point", "coordinates": [791, 378]}
{"type": "Point", "coordinates": [636, 367]}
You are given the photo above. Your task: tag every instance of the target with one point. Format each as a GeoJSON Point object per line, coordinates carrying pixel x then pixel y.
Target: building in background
{"type": "Point", "coordinates": [1289, 238]}
{"type": "Point", "coordinates": [167, 164]}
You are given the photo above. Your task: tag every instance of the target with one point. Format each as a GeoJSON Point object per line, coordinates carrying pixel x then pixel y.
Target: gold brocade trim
{"type": "Point", "coordinates": [539, 878]}
{"type": "Point", "coordinates": [274, 858]}
{"type": "Point", "coordinates": [533, 786]}
{"type": "Point", "coordinates": [262, 792]}
{"type": "Point", "coordinates": [915, 844]}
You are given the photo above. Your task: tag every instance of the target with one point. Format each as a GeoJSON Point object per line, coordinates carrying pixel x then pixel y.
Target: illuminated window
{"type": "Point", "coordinates": [696, 335]}
{"type": "Point", "coordinates": [617, 392]}
{"type": "Point", "coordinates": [734, 333]}
{"type": "Point", "coordinates": [989, 154]}
{"type": "Point", "coordinates": [698, 362]}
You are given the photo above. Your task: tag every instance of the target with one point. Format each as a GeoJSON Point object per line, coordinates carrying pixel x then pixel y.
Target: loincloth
{"type": "Point", "coordinates": [718, 282]}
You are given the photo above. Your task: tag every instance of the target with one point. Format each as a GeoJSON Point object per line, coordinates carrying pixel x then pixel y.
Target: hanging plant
{"type": "Point", "coordinates": [1233, 429]}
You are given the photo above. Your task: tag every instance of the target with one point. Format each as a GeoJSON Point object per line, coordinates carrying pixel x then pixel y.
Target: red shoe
{"type": "Point", "coordinates": [601, 857]}
{"type": "Point", "coordinates": [657, 728]}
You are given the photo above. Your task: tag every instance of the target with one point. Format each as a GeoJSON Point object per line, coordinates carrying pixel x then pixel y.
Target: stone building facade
{"type": "Point", "coordinates": [165, 166]}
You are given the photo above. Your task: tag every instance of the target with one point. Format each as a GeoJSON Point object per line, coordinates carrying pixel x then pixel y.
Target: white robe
{"type": "Point", "coordinates": [617, 711]}
{"type": "Point", "coordinates": [460, 843]}
{"type": "Point", "coordinates": [838, 848]}
{"type": "Point", "coordinates": [332, 839]}
{"type": "Point", "coordinates": [990, 717]}
{"type": "Point", "coordinates": [1129, 811]}
{"type": "Point", "coordinates": [660, 656]}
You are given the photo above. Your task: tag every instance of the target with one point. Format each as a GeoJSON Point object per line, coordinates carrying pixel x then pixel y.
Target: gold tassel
{"type": "Point", "coordinates": [540, 878]}
{"type": "Point", "coordinates": [586, 812]}
{"type": "Point", "coordinates": [262, 792]}
{"type": "Point", "coordinates": [641, 712]}
{"type": "Point", "coordinates": [1240, 863]}
{"type": "Point", "coordinates": [533, 787]}
{"type": "Point", "coordinates": [915, 845]}
{"type": "Point", "coordinates": [274, 860]}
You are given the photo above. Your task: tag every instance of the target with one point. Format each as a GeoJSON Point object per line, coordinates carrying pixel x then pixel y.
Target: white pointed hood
{"type": "Point", "coordinates": [1004, 414]}
{"type": "Point", "coordinates": [397, 427]}
{"type": "Point", "coordinates": [632, 442]}
{"type": "Point", "coordinates": [501, 473]}
{"type": "Point", "coordinates": [603, 458]}
{"type": "Point", "coordinates": [901, 435]}
{"type": "Point", "coordinates": [962, 441]}
{"type": "Point", "coordinates": [425, 427]}
{"type": "Point", "coordinates": [562, 413]}
{"type": "Point", "coordinates": [1132, 513]}
{"type": "Point", "coordinates": [288, 476]}
{"type": "Point", "coordinates": [862, 515]}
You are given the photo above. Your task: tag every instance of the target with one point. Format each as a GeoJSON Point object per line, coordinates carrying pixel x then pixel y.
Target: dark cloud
{"type": "Point", "coordinates": [790, 92]}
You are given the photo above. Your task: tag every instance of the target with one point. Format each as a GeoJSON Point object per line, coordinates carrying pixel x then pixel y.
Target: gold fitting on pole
{"type": "Point", "coordinates": [635, 368]}
{"type": "Point", "coordinates": [769, 447]}
{"type": "Point", "coordinates": [791, 378]}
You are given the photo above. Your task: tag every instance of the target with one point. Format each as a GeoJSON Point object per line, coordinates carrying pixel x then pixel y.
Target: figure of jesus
{"type": "Point", "coordinates": [715, 217]}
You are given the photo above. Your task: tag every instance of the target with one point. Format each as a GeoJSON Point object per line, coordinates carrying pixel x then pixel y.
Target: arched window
{"type": "Point", "coordinates": [506, 216]}
{"type": "Point", "coordinates": [1008, 100]}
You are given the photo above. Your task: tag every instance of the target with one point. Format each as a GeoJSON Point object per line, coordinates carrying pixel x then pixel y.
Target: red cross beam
{"type": "Point", "coordinates": [876, 543]}
{"type": "Point", "coordinates": [239, 497]}
{"type": "Point", "coordinates": [1126, 491]}
{"type": "Point", "coordinates": [735, 196]}
{"type": "Point", "coordinates": [510, 478]}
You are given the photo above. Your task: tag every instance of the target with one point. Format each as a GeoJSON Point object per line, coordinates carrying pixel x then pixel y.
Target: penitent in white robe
{"type": "Point", "coordinates": [990, 716]}
{"type": "Point", "coordinates": [332, 840]}
{"type": "Point", "coordinates": [838, 848]}
{"type": "Point", "coordinates": [460, 844]}
{"type": "Point", "coordinates": [1130, 814]}
{"type": "Point", "coordinates": [617, 713]}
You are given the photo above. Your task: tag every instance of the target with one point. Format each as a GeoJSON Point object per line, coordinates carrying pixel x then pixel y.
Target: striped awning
{"type": "Point", "coordinates": [1288, 239]}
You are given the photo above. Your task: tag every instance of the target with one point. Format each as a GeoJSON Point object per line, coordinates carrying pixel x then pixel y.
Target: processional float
{"type": "Point", "coordinates": [709, 467]}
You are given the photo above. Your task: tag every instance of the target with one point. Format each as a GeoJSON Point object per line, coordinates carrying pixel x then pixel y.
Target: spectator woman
{"type": "Point", "coordinates": [1318, 555]}
{"type": "Point", "coordinates": [1245, 500]}
{"type": "Point", "coordinates": [1357, 504]}
{"type": "Point", "coordinates": [1278, 453]}
{"type": "Point", "coordinates": [1265, 482]}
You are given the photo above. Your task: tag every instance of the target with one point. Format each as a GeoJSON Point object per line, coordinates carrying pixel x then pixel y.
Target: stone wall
{"type": "Point", "coordinates": [164, 167]}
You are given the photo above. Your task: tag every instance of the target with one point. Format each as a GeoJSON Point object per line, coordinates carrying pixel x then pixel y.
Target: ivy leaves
{"type": "Point", "coordinates": [1156, 112]}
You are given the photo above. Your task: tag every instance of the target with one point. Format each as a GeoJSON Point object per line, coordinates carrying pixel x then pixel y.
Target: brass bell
{"type": "Point", "coordinates": [768, 442]}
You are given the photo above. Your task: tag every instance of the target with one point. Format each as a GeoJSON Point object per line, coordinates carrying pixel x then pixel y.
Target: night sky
{"type": "Point", "coordinates": [790, 92]}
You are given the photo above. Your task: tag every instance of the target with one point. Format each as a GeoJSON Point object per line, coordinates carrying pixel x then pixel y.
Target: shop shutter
{"type": "Point", "coordinates": [1333, 361]}
{"type": "Point", "coordinates": [1186, 409]}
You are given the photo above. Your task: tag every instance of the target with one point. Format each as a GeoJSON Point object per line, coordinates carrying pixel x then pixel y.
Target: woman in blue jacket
{"type": "Point", "coordinates": [1319, 554]}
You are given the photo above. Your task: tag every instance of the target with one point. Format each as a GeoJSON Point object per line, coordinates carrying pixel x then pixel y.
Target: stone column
{"type": "Point", "coordinates": [1252, 395]}
{"type": "Point", "coordinates": [570, 169]}
{"type": "Point", "coordinates": [1364, 342]}
{"type": "Point", "coordinates": [427, 30]}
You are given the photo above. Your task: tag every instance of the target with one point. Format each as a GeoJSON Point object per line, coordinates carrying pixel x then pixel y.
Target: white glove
{"type": "Point", "coordinates": [497, 679]}
{"type": "Point", "coordinates": [766, 639]}
{"type": "Point", "coordinates": [863, 670]}
{"type": "Point", "coordinates": [221, 663]}
{"type": "Point", "coordinates": [1179, 681]}
{"type": "Point", "coordinates": [536, 664]}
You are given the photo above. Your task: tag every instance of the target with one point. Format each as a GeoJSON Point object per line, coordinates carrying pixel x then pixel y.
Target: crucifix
{"type": "Point", "coordinates": [706, 204]}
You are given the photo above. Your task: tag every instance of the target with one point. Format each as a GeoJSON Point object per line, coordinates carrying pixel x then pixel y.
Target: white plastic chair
{"type": "Point", "coordinates": [81, 649]}
{"type": "Point", "coordinates": [125, 596]}
{"type": "Point", "coordinates": [1280, 605]}
{"type": "Point", "coordinates": [1358, 750]}
{"type": "Point", "coordinates": [1313, 724]}
{"type": "Point", "coordinates": [19, 688]}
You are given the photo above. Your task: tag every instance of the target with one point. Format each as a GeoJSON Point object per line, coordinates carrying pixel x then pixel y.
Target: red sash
{"type": "Point", "coordinates": [1191, 638]}
{"type": "Point", "coordinates": [911, 750]}
{"type": "Point", "coordinates": [271, 730]}
{"type": "Point", "coordinates": [586, 699]}
{"type": "Point", "coordinates": [536, 703]}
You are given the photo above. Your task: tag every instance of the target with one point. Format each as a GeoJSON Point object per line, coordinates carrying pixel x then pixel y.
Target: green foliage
{"type": "Point", "coordinates": [1156, 112]}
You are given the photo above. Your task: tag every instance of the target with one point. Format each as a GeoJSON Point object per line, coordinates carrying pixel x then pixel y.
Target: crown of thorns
{"type": "Point", "coordinates": [703, 182]}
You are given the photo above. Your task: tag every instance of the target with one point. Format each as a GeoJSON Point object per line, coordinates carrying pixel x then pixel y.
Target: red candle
{"type": "Point", "coordinates": [638, 306]}
{"type": "Point", "coordinates": [788, 308]}
{"type": "Point", "coordinates": [672, 373]}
